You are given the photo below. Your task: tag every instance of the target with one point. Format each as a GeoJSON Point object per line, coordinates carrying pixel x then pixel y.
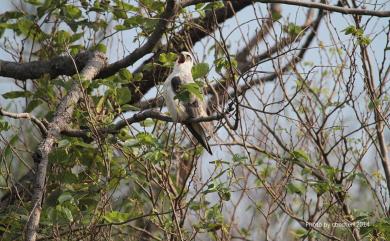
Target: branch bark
{"type": "Point", "coordinates": [322, 6]}
{"type": "Point", "coordinates": [64, 65]}
{"type": "Point", "coordinates": [138, 117]}
{"type": "Point", "coordinates": [161, 27]}
{"type": "Point", "coordinates": [29, 116]}
{"type": "Point", "coordinates": [200, 28]}
{"type": "Point", "coordinates": [61, 119]}
{"type": "Point", "coordinates": [61, 65]}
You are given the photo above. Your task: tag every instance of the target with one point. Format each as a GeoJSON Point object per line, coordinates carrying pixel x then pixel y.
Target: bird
{"type": "Point", "coordinates": [186, 108]}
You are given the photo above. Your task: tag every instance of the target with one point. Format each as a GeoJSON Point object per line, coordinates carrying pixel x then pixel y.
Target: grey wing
{"type": "Point", "coordinates": [195, 108]}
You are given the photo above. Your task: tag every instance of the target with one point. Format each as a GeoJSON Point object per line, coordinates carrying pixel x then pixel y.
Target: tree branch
{"type": "Point", "coordinates": [61, 119]}
{"type": "Point", "coordinates": [63, 65]}
{"type": "Point", "coordinates": [34, 119]}
{"type": "Point", "coordinates": [138, 117]}
{"type": "Point", "coordinates": [169, 13]}
{"type": "Point", "coordinates": [322, 6]}
{"type": "Point", "coordinates": [199, 28]}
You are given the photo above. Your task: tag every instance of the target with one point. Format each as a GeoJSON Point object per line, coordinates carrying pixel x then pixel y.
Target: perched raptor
{"type": "Point", "coordinates": [188, 108]}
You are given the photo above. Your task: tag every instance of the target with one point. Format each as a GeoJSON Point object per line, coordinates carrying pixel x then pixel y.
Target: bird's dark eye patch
{"type": "Point", "coordinates": [176, 82]}
{"type": "Point", "coordinates": [181, 59]}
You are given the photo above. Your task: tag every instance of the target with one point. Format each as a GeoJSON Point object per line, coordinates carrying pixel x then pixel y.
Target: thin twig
{"type": "Point", "coordinates": [29, 116]}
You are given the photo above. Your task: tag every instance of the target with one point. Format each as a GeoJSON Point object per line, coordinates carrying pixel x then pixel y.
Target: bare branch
{"type": "Point", "coordinates": [29, 116]}
{"type": "Point", "coordinates": [306, 4]}
{"type": "Point", "coordinates": [61, 65]}
{"type": "Point", "coordinates": [138, 117]}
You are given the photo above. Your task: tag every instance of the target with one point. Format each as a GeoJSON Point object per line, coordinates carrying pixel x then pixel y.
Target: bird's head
{"type": "Point", "coordinates": [184, 61]}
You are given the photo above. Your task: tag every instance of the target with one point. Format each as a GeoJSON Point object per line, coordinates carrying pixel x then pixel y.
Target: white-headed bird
{"type": "Point", "coordinates": [188, 108]}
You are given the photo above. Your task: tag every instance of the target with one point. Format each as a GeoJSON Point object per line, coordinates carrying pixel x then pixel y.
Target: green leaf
{"type": "Point", "coordinates": [67, 213]}
{"type": "Point", "coordinates": [200, 70]}
{"type": "Point", "coordinates": [101, 48]}
{"type": "Point", "coordinates": [373, 104]}
{"type": "Point", "coordinates": [62, 37]}
{"type": "Point", "coordinates": [225, 194]}
{"type": "Point", "coordinates": [133, 21]}
{"type": "Point", "coordinates": [100, 104]}
{"type": "Point", "coordinates": [34, 2]}
{"type": "Point", "coordinates": [210, 188]}
{"type": "Point", "coordinates": [119, 13]}
{"type": "Point", "coordinates": [300, 233]}
{"type": "Point", "coordinates": [68, 178]}
{"type": "Point", "coordinates": [33, 104]}
{"type": "Point", "coordinates": [127, 107]}
{"type": "Point", "coordinates": [75, 49]}
{"type": "Point", "coordinates": [237, 158]}
{"type": "Point", "coordinates": [156, 156]}
{"type": "Point", "coordinates": [138, 76]}
{"type": "Point", "coordinates": [25, 25]}
{"type": "Point", "coordinates": [116, 217]}
{"type": "Point", "coordinates": [167, 59]}
{"type": "Point", "coordinates": [10, 15]}
{"type": "Point", "coordinates": [126, 75]}
{"type": "Point", "coordinates": [301, 155]}
{"type": "Point", "coordinates": [321, 187]}
{"type": "Point", "coordinates": [276, 16]}
{"type": "Point", "coordinates": [224, 63]}
{"type": "Point", "coordinates": [214, 5]}
{"type": "Point", "coordinates": [66, 196]}
{"type": "Point", "coordinates": [17, 94]}
{"type": "Point", "coordinates": [76, 37]}
{"type": "Point", "coordinates": [123, 95]}
{"type": "Point", "coordinates": [83, 144]}
{"type": "Point", "coordinates": [147, 123]}
{"type": "Point", "coordinates": [294, 188]}
{"type": "Point", "coordinates": [146, 138]}
{"type": "Point", "coordinates": [4, 126]}
{"type": "Point", "coordinates": [349, 30]}
{"type": "Point", "coordinates": [120, 27]}
{"type": "Point", "coordinates": [293, 29]}
{"type": "Point", "coordinates": [364, 40]}
{"type": "Point", "coordinates": [187, 90]}
{"type": "Point", "coordinates": [195, 205]}
{"type": "Point", "coordinates": [72, 12]}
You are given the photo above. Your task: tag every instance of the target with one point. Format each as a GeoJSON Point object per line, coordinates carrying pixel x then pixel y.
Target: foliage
{"type": "Point", "coordinates": [310, 144]}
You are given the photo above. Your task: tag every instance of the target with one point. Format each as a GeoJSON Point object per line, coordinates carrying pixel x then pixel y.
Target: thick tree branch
{"type": "Point", "coordinates": [198, 29]}
{"type": "Point", "coordinates": [63, 65]}
{"type": "Point", "coordinates": [307, 4]}
{"type": "Point", "coordinates": [169, 13]}
{"type": "Point", "coordinates": [61, 119]}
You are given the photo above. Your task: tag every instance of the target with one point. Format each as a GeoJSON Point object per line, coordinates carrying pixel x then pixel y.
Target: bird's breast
{"type": "Point", "coordinates": [175, 108]}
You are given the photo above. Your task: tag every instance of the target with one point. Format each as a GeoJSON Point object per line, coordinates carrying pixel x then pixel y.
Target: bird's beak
{"type": "Point", "coordinates": [181, 59]}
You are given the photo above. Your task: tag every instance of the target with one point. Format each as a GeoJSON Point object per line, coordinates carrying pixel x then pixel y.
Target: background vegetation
{"type": "Point", "coordinates": [297, 93]}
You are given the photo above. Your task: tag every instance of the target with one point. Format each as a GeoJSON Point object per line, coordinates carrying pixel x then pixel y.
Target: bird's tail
{"type": "Point", "coordinates": [198, 132]}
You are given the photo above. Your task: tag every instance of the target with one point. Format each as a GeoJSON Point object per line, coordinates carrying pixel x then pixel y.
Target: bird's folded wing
{"type": "Point", "coordinates": [195, 108]}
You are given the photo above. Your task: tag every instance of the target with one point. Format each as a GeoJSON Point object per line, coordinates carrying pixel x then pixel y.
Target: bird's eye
{"type": "Point", "coordinates": [188, 57]}
{"type": "Point", "coordinates": [181, 59]}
